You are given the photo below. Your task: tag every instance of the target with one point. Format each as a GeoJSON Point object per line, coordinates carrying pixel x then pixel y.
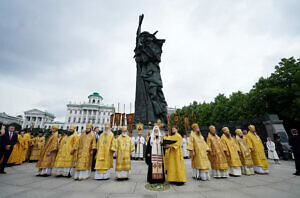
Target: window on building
{"type": "Point", "coordinates": [84, 120]}
{"type": "Point", "coordinates": [61, 127]}
{"type": "Point", "coordinates": [67, 128]}
{"type": "Point", "coordinates": [75, 111]}
{"type": "Point", "coordinates": [71, 111]}
{"type": "Point", "coordinates": [28, 118]}
{"type": "Point", "coordinates": [94, 101]}
{"type": "Point", "coordinates": [69, 120]}
{"type": "Point", "coordinates": [79, 119]}
{"type": "Point", "coordinates": [33, 118]}
{"type": "Point", "coordinates": [80, 112]}
{"type": "Point", "coordinates": [74, 120]}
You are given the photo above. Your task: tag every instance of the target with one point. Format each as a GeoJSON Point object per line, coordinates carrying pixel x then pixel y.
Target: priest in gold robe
{"type": "Point", "coordinates": [37, 144]}
{"type": "Point", "coordinates": [245, 154]}
{"type": "Point", "coordinates": [123, 149]}
{"type": "Point", "coordinates": [48, 154]}
{"type": "Point", "coordinates": [198, 152]}
{"type": "Point", "coordinates": [261, 165]}
{"type": "Point", "coordinates": [85, 147]}
{"type": "Point", "coordinates": [217, 155]}
{"type": "Point", "coordinates": [174, 157]}
{"type": "Point", "coordinates": [104, 156]}
{"type": "Point", "coordinates": [66, 156]}
{"type": "Point", "coordinates": [27, 150]}
{"type": "Point", "coordinates": [232, 151]}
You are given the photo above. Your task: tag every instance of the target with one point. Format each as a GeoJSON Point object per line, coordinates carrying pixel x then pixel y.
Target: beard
{"type": "Point", "coordinates": [106, 131]}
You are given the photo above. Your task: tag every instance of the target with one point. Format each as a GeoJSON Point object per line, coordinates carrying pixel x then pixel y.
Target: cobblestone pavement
{"type": "Point", "coordinates": [20, 181]}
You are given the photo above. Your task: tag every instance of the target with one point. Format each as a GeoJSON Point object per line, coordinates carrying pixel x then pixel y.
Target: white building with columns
{"type": "Point", "coordinates": [93, 111]}
{"type": "Point", "coordinates": [37, 118]}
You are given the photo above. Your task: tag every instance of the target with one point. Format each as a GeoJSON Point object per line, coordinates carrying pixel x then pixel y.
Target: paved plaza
{"type": "Point", "coordinates": [20, 181]}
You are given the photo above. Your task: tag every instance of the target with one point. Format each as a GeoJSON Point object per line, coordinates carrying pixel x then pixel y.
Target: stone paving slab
{"type": "Point", "coordinates": [20, 181]}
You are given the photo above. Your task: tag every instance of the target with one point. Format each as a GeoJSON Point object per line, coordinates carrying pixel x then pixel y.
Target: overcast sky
{"type": "Point", "coordinates": [54, 52]}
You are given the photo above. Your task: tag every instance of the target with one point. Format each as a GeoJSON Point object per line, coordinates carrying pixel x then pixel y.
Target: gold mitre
{"type": "Point", "coordinates": [238, 131]}
{"type": "Point", "coordinates": [251, 127]}
{"type": "Point", "coordinates": [124, 128]}
{"type": "Point", "coordinates": [54, 128]}
{"type": "Point", "coordinates": [73, 127]}
{"type": "Point", "coordinates": [159, 123]}
{"type": "Point", "coordinates": [195, 126]}
{"type": "Point", "coordinates": [89, 125]}
{"type": "Point", "coordinates": [139, 127]}
{"type": "Point", "coordinates": [107, 124]}
{"type": "Point", "coordinates": [225, 129]}
{"type": "Point", "coordinates": [211, 128]}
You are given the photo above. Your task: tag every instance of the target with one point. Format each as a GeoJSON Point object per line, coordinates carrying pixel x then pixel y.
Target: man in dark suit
{"type": "Point", "coordinates": [8, 140]}
{"type": "Point", "coordinates": [294, 141]}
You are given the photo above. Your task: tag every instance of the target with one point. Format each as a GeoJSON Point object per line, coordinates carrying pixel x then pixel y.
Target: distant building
{"type": "Point", "coordinates": [37, 118]}
{"type": "Point", "coordinates": [171, 110]}
{"type": "Point", "coordinates": [80, 114]}
{"type": "Point", "coordinates": [8, 119]}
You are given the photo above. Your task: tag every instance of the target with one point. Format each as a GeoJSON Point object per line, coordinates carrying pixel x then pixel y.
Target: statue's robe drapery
{"type": "Point", "coordinates": [37, 144]}
{"type": "Point", "coordinates": [46, 162]}
{"type": "Point", "coordinates": [123, 147]}
{"type": "Point", "coordinates": [258, 155]}
{"type": "Point", "coordinates": [104, 156]}
{"type": "Point", "coordinates": [175, 161]}
{"type": "Point", "coordinates": [245, 156]}
{"type": "Point", "coordinates": [200, 162]}
{"type": "Point", "coordinates": [84, 147]}
{"type": "Point", "coordinates": [218, 159]}
{"type": "Point", "coordinates": [233, 159]}
{"type": "Point", "coordinates": [65, 160]}
{"type": "Point", "coordinates": [150, 103]}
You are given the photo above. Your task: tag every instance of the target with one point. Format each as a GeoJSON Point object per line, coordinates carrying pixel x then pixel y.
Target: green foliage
{"type": "Point", "coordinates": [278, 94]}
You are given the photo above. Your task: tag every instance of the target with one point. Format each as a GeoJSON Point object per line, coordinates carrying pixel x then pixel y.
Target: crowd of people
{"type": "Point", "coordinates": [77, 156]}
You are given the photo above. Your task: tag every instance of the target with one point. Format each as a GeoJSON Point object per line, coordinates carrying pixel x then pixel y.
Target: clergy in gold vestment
{"type": "Point", "coordinates": [37, 144]}
{"type": "Point", "coordinates": [48, 154]}
{"type": "Point", "coordinates": [85, 147]}
{"type": "Point", "coordinates": [174, 157]}
{"type": "Point", "coordinates": [123, 148]}
{"type": "Point", "coordinates": [217, 155]}
{"type": "Point", "coordinates": [245, 154]}
{"type": "Point", "coordinates": [233, 151]}
{"type": "Point", "coordinates": [198, 152]}
{"type": "Point", "coordinates": [23, 147]}
{"type": "Point", "coordinates": [104, 156]}
{"type": "Point", "coordinates": [261, 165]}
{"type": "Point", "coordinates": [66, 156]}
{"type": "Point", "coordinates": [27, 150]}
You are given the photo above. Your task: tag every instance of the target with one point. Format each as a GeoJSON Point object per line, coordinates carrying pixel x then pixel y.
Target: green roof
{"type": "Point", "coordinates": [96, 94]}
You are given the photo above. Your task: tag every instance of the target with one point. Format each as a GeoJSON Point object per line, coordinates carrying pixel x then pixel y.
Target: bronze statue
{"type": "Point", "coordinates": [150, 103]}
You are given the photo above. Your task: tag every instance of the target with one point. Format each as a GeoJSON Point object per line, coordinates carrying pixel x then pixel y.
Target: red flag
{"type": "Point", "coordinates": [112, 119]}
{"type": "Point", "coordinates": [123, 119]}
{"type": "Point", "coordinates": [176, 120]}
{"type": "Point", "coordinates": [129, 119]}
{"type": "Point", "coordinates": [186, 122]}
{"type": "Point", "coordinates": [117, 119]}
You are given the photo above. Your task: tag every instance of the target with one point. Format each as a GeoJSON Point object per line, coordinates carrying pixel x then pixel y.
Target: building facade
{"type": "Point", "coordinates": [92, 111]}
{"type": "Point", "coordinates": [8, 119]}
{"type": "Point", "coordinates": [36, 118]}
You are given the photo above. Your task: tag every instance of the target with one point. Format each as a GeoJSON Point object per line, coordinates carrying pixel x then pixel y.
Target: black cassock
{"type": "Point", "coordinates": [149, 163]}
